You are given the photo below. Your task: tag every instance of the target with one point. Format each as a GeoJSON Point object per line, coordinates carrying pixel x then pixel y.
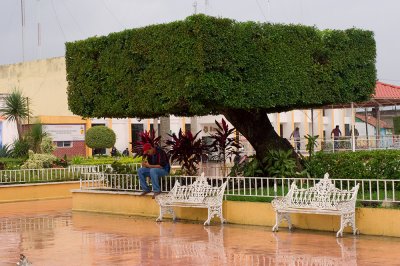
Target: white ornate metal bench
{"type": "Point", "coordinates": [197, 195]}
{"type": "Point", "coordinates": [323, 198]}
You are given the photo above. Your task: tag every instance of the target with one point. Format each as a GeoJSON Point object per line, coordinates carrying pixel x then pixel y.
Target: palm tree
{"type": "Point", "coordinates": [15, 109]}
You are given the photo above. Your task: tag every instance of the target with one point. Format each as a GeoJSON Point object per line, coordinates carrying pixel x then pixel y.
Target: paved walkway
{"type": "Point", "coordinates": [48, 233]}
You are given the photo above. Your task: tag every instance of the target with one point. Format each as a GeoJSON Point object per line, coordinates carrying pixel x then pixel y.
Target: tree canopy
{"type": "Point", "coordinates": [205, 65]}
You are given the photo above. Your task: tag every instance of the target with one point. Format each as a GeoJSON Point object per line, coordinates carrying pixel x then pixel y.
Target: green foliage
{"type": "Point", "coordinates": [279, 163]}
{"type": "Point", "coordinates": [20, 148]}
{"type": "Point", "coordinates": [253, 167]}
{"type": "Point", "coordinates": [378, 164]}
{"type": "Point", "coordinates": [5, 151]}
{"type": "Point", "coordinates": [100, 137]}
{"type": "Point", "coordinates": [205, 65]}
{"type": "Point", "coordinates": [79, 160]}
{"type": "Point", "coordinates": [311, 144]}
{"type": "Point", "coordinates": [47, 145]}
{"type": "Point", "coordinates": [15, 109]}
{"type": "Point", "coordinates": [34, 136]}
{"type": "Point", "coordinates": [38, 161]}
{"type": "Point", "coordinates": [11, 163]}
{"type": "Point", "coordinates": [396, 125]}
{"type": "Point", "coordinates": [119, 168]}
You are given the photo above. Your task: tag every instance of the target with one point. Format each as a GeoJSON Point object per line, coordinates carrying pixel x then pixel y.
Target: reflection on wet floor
{"type": "Point", "coordinates": [47, 235]}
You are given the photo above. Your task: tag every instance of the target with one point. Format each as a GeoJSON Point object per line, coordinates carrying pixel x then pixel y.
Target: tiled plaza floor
{"type": "Point", "coordinates": [48, 233]}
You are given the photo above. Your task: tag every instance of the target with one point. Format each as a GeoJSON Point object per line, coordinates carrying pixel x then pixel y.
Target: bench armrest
{"type": "Point", "coordinates": [280, 203]}
{"type": "Point", "coordinates": [346, 206]}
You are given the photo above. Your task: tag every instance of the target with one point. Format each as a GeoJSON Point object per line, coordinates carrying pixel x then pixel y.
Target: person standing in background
{"type": "Point", "coordinates": [296, 136]}
{"type": "Point", "coordinates": [336, 134]}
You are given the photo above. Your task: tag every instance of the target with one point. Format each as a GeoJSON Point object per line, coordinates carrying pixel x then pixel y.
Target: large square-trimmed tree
{"type": "Point", "coordinates": [205, 65]}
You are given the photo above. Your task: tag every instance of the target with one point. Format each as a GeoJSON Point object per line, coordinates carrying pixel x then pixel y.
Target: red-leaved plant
{"type": "Point", "coordinates": [145, 137]}
{"type": "Point", "coordinates": [224, 144]}
{"type": "Point", "coordinates": [187, 150]}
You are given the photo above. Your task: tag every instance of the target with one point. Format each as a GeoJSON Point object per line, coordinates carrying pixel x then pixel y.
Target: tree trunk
{"type": "Point", "coordinates": [164, 128]}
{"type": "Point", "coordinates": [257, 129]}
{"type": "Point", "coordinates": [19, 127]}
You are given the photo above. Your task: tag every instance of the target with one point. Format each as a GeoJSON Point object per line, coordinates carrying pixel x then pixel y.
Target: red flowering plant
{"type": "Point", "coordinates": [187, 150]}
{"type": "Point", "coordinates": [224, 145]}
{"type": "Point", "coordinates": [145, 137]}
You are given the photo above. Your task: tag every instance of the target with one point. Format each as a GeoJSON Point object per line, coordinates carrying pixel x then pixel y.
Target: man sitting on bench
{"type": "Point", "coordinates": [155, 165]}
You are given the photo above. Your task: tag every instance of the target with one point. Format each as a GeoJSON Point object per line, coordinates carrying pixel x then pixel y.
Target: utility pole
{"type": "Point", "coordinates": [195, 7]}
{"type": "Point", "coordinates": [27, 105]}
{"type": "Point", "coordinates": [23, 27]}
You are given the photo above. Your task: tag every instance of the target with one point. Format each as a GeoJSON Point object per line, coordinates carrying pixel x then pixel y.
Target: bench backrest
{"type": "Point", "coordinates": [197, 191]}
{"type": "Point", "coordinates": [324, 195]}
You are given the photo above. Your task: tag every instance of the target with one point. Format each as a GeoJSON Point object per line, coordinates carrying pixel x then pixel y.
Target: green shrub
{"type": "Point", "coordinates": [279, 163]}
{"type": "Point", "coordinates": [39, 160]}
{"type": "Point", "coordinates": [12, 163]}
{"type": "Point", "coordinates": [47, 145]}
{"type": "Point", "coordinates": [20, 148]}
{"type": "Point", "coordinates": [77, 160]}
{"type": "Point", "coordinates": [100, 137]}
{"type": "Point", "coordinates": [378, 164]}
{"type": "Point", "coordinates": [119, 168]}
{"type": "Point", "coordinates": [5, 151]}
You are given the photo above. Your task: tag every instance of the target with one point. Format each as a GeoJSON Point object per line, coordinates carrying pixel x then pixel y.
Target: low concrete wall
{"type": "Point", "coordinates": [40, 191]}
{"type": "Point", "coordinates": [369, 221]}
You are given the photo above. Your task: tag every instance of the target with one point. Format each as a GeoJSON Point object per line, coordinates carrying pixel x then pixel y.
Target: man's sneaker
{"type": "Point", "coordinates": [156, 194]}
{"type": "Point", "coordinates": [144, 193]}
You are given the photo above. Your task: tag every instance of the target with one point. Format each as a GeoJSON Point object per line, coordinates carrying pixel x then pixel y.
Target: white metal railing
{"type": "Point", "coordinates": [99, 167]}
{"type": "Point", "coordinates": [70, 173]}
{"type": "Point", "coordinates": [38, 175]}
{"type": "Point", "coordinates": [346, 144]}
{"type": "Point", "coordinates": [371, 190]}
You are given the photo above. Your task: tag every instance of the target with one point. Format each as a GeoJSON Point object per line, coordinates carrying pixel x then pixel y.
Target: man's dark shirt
{"type": "Point", "coordinates": [160, 158]}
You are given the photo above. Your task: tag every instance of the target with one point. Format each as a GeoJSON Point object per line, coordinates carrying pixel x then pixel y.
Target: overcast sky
{"type": "Point", "coordinates": [68, 20]}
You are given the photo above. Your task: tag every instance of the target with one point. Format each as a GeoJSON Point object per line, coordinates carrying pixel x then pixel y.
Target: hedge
{"type": "Point", "coordinates": [378, 164]}
{"type": "Point", "coordinates": [205, 65]}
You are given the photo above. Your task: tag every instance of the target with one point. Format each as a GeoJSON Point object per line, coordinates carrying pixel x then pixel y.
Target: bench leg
{"type": "Point", "coordinates": [347, 219]}
{"type": "Point", "coordinates": [278, 219]}
{"type": "Point", "coordinates": [214, 211]}
{"type": "Point", "coordinates": [166, 210]}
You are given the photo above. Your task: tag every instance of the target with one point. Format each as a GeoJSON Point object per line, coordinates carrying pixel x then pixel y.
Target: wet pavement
{"type": "Point", "coordinates": [48, 233]}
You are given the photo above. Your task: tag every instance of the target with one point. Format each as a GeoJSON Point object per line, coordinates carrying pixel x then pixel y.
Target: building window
{"type": "Point", "coordinates": [188, 127]}
{"type": "Point", "coordinates": [64, 144]}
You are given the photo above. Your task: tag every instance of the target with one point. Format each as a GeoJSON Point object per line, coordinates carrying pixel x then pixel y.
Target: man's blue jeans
{"type": "Point", "coordinates": [155, 174]}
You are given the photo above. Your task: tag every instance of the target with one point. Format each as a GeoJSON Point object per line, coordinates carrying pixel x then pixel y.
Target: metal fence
{"type": "Point", "coordinates": [99, 167]}
{"type": "Point", "coordinates": [371, 190]}
{"type": "Point", "coordinates": [345, 143]}
{"type": "Point", "coordinates": [38, 175]}
{"type": "Point", "coordinates": [70, 173]}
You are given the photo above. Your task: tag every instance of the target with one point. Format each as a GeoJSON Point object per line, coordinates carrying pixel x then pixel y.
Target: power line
{"type": "Point", "coordinates": [58, 21]}
{"type": "Point", "coordinates": [23, 28]}
{"type": "Point", "coordinates": [262, 12]}
{"type": "Point", "coordinates": [112, 14]}
{"type": "Point", "coordinates": [73, 18]}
